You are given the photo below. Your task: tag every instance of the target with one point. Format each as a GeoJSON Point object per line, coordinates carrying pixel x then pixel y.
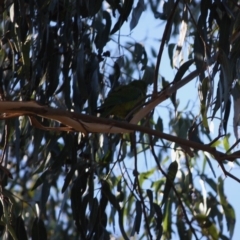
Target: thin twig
{"type": "Point", "coordinates": [233, 146]}
{"type": "Point", "coordinates": [117, 161]}
{"type": "Point", "coordinates": [228, 173]}
{"type": "Point", "coordinates": [129, 178]}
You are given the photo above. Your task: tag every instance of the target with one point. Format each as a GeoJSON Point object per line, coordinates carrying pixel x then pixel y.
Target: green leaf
{"type": "Point", "coordinates": [171, 174]}
{"type": "Point", "coordinates": [207, 226]}
{"type": "Point", "coordinates": [226, 144]}
{"type": "Point", "coordinates": [107, 159]}
{"type": "Point", "coordinates": [199, 53]}
{"type": "Point", "coordinates": [203, 92]}
{"type": "Point", "coordinates": [167, 220]}
{"type": "Point", "coordinates": [145, 175]}
{"type": "Point", "coordinates": [2, 56]}
{"type": "Point", "coordinates": [158, 184]}
{"type": "Point", "coordinates": [227, 208]}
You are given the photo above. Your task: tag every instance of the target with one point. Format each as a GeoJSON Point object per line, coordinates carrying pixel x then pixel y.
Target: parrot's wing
{"type": "Point", "coordinates": [121, 101]}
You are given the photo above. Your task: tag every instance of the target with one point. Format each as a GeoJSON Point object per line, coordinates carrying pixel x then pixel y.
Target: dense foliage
{"type": "Point", "coordinates": [84, 153]}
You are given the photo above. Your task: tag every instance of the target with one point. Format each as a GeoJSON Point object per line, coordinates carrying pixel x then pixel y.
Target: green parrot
{"type": "Point", "coordinates": [123, 99]}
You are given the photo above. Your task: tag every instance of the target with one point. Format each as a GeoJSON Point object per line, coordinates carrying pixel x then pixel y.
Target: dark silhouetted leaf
{"type": "Point", "coordinates": [126, 9]}
{"type": "Point", "coordinates": [68, 178]}
{"type": "Point", "coordinates": [78, 188]}
{"type": "Point", "coordinates": [38, 230]}
{"type": "Point", "coordinates": [193, 134]}
{"type": "Point", "coordinates": [103, 32]}
{"type": "Point", "coordinates": [182, 70]}
{"type": "Point", "coordinates": [113, 200]}
{"type": "Point", "coordinates": [199, 53]}
{"type": "Point", "coordinates": [40, 180]}
{"type": "Point", "coordinates": [171, 174]}
{"type": "Point", "coordinates": [171, 47]}
{"type": "Point", "coordinates": [182, 231]}
{"type": "Point", "coordinates": [159, 219]}
{"type": "Point", "coordinates": [138, 218]}
{"type": "Point", "coordinates": [94, 210]}
{"type": "Point", "coordinates": [180, 73]}
{"type": "Point", "coordinates": [20, 229]}
{"type": "Point", "coordinates": [44, 196]}
{"type": "Point", "coordinates": [225, 77]}
{"type": "Point", "coordinates": [227, 208]}
{"type": "Point", "coordinates": [136, 14]}
{"type": "Point", "coordinates": [226, 115]}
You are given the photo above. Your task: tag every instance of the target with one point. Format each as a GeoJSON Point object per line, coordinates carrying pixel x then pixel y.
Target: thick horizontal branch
{"type": "Point", "coordinates": [90, 124]}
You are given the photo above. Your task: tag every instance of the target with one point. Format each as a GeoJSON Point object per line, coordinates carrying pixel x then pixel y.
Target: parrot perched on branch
{"type": "Point", "coordinates": [122, 100]}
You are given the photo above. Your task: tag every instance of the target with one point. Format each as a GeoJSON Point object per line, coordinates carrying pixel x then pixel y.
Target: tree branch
{"type": "Point", "coordinates": [91, 124]}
